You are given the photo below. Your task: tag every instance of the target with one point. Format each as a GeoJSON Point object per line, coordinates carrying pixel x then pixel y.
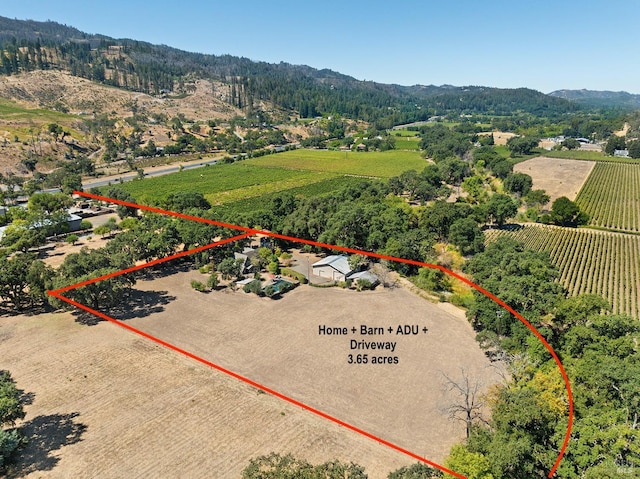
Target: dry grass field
{"type": "Point", "coordinates": [107, 403]}
{"type": "Point", "coordinates": [558, 177]}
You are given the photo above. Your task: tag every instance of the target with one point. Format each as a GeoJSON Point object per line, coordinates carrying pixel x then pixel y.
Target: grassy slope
{"type": "Point", "coordinates": [17, 120]}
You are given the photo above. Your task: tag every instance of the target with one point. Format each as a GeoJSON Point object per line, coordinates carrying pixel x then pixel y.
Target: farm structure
{"type": "Point", "coordinates": [337, 268]}
{"type": "Point", "coordinates": [334, 267]}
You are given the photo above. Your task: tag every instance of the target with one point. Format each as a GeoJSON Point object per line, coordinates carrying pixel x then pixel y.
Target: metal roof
{"type": "Point", "coordinates": [337, 262]}
{"type": "Point", "coordinates": [366, 275]}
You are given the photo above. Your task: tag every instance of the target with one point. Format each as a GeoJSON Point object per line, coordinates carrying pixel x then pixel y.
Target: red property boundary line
{"type": "Point", "coordinates": [250, 232]}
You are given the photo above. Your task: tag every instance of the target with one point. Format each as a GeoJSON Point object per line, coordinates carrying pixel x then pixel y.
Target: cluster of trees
{"type": "Point", "coordinates": [45, 216]}
{"type": "Point", "coordinates": [522, 145]}
{"type": "Point", "coordinates": [275, 466]}
{"type": "Point", "coordinates": [620, 143]}
{"type": "Point", "coordinates": [565, 212]}
{"type": "Point", "coordinates": [440, 142]}
{"type": "Point", "coordinates": [528, 412]}
{"type": "Point", "coordinates": [11, 410]}
{"type": "Point", "coordinates": [424, 186]}
{"type": "Point", "coordinates": [227, 140]}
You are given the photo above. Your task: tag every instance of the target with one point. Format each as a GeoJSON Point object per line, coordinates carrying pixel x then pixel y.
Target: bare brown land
{"type": "Point", "coordinates": [107, 403]}
{"type": "Point", "coordinates": [43, 89]}
{"type": "Point", "coordinates": [499, 137]}
{"type": "Point", "coordinates": [558, 177]}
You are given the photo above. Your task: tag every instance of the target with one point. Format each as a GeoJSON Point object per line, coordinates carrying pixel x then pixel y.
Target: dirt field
{"type": "Point", "coordinates": [499, 137]}
{"type": "Point", "coordinates": [107, 403]}
{"type": "Point", "coordinates": [558, 177]}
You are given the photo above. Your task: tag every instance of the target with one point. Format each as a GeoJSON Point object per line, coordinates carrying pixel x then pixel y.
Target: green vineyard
{"type": "Point", "coordinates": [590, 261]}
{"type": "Point", "coordinates": [611, 196]}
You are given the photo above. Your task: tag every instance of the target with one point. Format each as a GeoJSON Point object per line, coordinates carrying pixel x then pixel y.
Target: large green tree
{"type": "Point", "coordinates": [518, 183]}
{"type": "Point", "coordinates": [23, 281]}
{"type": "Point", "coordinates": [500, 208]}
{"type": "Point", "coordinates": [565, 212]}
{"type": "Point", "coordinates": [11, 410]}
{"type": "Point", "coordinates": [89, 264]}
{"type": "Point", "coordinates": [467, 235]}
{"type": "Point", "coordinates": [522, 145]}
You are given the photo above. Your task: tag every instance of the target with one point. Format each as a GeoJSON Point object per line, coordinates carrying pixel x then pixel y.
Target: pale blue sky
{"type": "Point", "coordinates": [540, 44]}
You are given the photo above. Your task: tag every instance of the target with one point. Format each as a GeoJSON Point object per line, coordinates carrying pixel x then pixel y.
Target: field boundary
{"type": "Point", "coordinates": [250, 232]}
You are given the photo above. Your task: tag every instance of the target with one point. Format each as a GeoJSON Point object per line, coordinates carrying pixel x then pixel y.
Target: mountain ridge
{"type": "Point", "coordinates": [599, 97]}
{"type": "Point", "coordinates": [307, 91]}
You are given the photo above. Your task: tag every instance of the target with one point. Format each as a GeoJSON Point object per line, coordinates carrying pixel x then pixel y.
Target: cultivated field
{"type": "Point", "coordinates": [590, 261]}
{"type": "Point", "coordinates": [108, 403]}
{"type": "Point", "coordinates": [558, 177]}
{"type": "Point", "coordinates": [611, 196]}
{"type": "Point", "coordinates": [302, 172]}
{"type": "Point", "coordinates": [383, 164]}
{"type": "Point", "coordinates": [406, 139]}
{"type": "Point", "coordinates": [223, 183]}
{"type": "Point", "coordinates": [256, 203]}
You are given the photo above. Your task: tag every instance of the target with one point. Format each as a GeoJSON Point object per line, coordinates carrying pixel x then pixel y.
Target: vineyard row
{"type": "Point", "coordinates": [589, 261]}
{"type": "Point", "coordinates": [611, 196]}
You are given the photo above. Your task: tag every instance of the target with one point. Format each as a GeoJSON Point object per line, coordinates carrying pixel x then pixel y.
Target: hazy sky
{"type": "Point", "coordinates": [541, 44]}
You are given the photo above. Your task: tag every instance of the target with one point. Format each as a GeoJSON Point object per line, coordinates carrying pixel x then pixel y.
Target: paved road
{"type": "Point", "coordinates": [95, 183]}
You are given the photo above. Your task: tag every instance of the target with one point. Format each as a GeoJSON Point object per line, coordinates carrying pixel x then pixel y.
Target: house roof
{"type": "Point", "coordinates": [366, 275]}
{"type": "Point", "coordinates": [337, 262]}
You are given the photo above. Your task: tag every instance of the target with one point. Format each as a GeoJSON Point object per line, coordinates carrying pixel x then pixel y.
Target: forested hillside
{"type": "Point", "coordinates": [140, 66]}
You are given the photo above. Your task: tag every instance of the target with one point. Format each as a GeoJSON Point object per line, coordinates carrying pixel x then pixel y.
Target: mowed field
{"type": "Point", "coordinates": [108, 403]}
{"type": "Point", "coordinates": [557, 176]}
{"type": "Point", "coordinates": [589, 261]}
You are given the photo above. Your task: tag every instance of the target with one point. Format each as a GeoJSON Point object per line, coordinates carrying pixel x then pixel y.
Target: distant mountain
{"type": "Point", "coordinates": [600, 98]}
{"type": "Point", "coordinates": [32, 30]}
{"type": "Point", "coordinates": [27, 45]}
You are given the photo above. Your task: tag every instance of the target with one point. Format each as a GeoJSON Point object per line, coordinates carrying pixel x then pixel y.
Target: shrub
{"type": "Point", "coordinates": [86, 225]}
{"type": "Point", "coordinates": [205, 269]}
{"type": "Point", "coordinates": [212, 282]}
{"type": "Point", "coordinates": [364, 284]}
{"type": "Point", "coordinates": [72, 239]}
{"type": "Point", "coordinates": [254, 286]}
{"type": "Point", "coordinates": [198, 286]}
{"type": "Point", "coordinates": [295, 275]}
{"type": "Point", "coordinates": [274, 267]}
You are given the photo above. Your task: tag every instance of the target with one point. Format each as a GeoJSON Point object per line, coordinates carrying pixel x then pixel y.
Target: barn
{"type": "Point", "coordinates": [334, 267]}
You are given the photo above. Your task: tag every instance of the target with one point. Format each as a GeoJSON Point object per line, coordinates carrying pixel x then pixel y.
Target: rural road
{"type": "Point", "coordinates": [149, 173]}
